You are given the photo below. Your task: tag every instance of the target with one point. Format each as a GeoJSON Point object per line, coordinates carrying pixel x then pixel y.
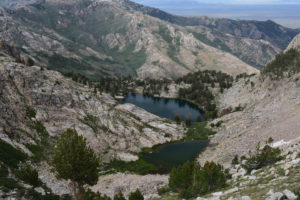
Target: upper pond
{"type": "Point", "coordinates": [163, 107]}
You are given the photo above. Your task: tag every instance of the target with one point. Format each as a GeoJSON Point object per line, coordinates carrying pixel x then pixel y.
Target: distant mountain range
{"type": "Point", "coordinates": [284, 12]}
{"type": "Point", "coordinates": [120, 37]}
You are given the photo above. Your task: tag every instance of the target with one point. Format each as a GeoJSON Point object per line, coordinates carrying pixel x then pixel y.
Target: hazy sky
{"type": "Point", "coordinates": [256, 2]}
{"type": "Point", "coordinates": [285, 12]}
{"type": "Point", "coordinates": [250, 1]}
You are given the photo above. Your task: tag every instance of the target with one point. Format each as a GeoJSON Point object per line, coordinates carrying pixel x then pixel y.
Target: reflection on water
{"type": "Point", "coordinates": [170, 155]}
{"type": "Point", "coordinates": [164, 107]}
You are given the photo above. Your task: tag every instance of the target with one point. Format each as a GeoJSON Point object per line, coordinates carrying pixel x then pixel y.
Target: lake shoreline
{"type": "Point", "coordinates": [179, 106]}
{"type": "Point", "coordinates": [171, 97]}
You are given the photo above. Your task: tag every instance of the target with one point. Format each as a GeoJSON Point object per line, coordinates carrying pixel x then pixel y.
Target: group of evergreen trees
{"type": "Point", "coordinates": [192, 179]}
{"type": "Point", "coordinates": [263, 156]}
{"type": "Point", "coordinates": [115, 86]}
{"type": "Point", "coordinates": [89, 195]}
{"type": "Point", "coordinates": [77, 77]}
{"type": "Point", "coordinates": [285, 64]}
{"type": "Point", "coordinates": [200, 93]}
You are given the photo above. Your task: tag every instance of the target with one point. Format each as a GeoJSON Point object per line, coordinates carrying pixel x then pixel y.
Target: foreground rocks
{"type": "Point", "coordinates": [126, 183]}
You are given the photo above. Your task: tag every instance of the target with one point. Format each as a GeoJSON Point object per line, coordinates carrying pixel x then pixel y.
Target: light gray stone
{"type": "Point", "coordinates": [245, 198]}
{"type": "Point", "coordinates": [40, 190]}
{"type": "Point", "coordinates": [290, 195]}
{"type": "Point", "coordinates": [275, 196]}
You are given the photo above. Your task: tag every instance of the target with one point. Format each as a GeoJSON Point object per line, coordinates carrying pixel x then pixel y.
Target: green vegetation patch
{"type": "Point", "coordinates": [284, 64]}
{"type": "Point", "coordinates": [198, 131]}
{"type": "Point", "coordinates": [29, 175]}
{"type": "Point", "coordinates": [30, 112]}
{"type": "Point", "coordinates": [10, 155]}
{"type": "Point", "coordinates": [91, 121]}
{"type": "Point", "coordinates": [40, 129]}
{"type": "Point", "coordinates": [262, 157]}
{"type": "Point", "coordinates": [199, 92]}
{"type": "Point", "coordinates": [139, 167]}
{"type": "Point", "coordinates": [37, 151]}
{"type": "Point", "coordinates": [191, 180]}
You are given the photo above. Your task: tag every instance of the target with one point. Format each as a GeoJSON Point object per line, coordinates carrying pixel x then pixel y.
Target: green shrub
{"type": "Point", "coordinates": [40, 129]}
{"type": "Point", "coordinates": [90, 195]}
{"type": "Point", "coordinates": [30, 112]}
{"type": "Point", "coordinates": [10, 155]}
{"type": "Point", "coordinates": [177, 119]}
{"type": "Point", "coordinates": [119, 197]}
{"type": "Point", "coordinates": [188, 122]}
{"type": "Point", "coordinates": [219, 123]}
{"type": "Point", "coordinates": [29, 175]}
{"type": "Point", "coordinates": [32, 194]}
{"type": "Point", "coordinates": [297, 193]}
{"type": "Point", "coordinates": [198, 131]}
{"type": "Point", "coordinates": [140, 166]}
{"type": "Point", "coordinates": [29, 62]}
{"type": "Point", "coordinates": [3, 171]}
{"type": "Point", "coordinates": [37, 151]}
{"type": "Point", "coordinates": [162, 191]}
{"type": "Point", "coordinates": [235, 160]}
{"type": "Point", "coordinates": [262, 157]}
{"type": "Point", "coordinates": [137, 195]}
{"type": "Point", "coordinates": [92, 122]}
{"type": "Point", "coordinates": [8, 183]}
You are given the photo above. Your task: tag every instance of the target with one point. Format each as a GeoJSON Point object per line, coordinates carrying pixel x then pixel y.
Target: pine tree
{"type": "Point", "coordinates": [119, 197]}
{"type": "Point", "coordinates": [74, 160]}
{"type": "Point", "coordinates": [29, 62]}
{"type": "Point", "coordinates": [137, 195]}
{"type": "Point", "coordinates": [177, 119]}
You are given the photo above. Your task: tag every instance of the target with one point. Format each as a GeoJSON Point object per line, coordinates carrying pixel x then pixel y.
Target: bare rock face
{"type": "Point", "coordinates": [295, 43]}
{"type": "Point", "coordinates": [271, 109]}
{"type": "Point", "coordinates": [125, 183]}
{"type": "Point", "coordinates": [9, 50]}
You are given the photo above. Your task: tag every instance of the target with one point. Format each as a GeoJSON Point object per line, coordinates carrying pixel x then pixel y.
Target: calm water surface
{"type": "Point", "coordinates": [167, 156]}
{"type": "Point", "coordinates": [171, 155]}
{"type": "Point", "coordinates": [163, 107]}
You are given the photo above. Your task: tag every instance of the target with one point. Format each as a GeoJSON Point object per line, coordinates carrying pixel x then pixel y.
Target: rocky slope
{"type": "Point", "coordinates": [295, 43]}
{"type": "Point", "coordinates": [254, 42]}
{"type": "Point", "coordinates": [37, 104]}
{"type": "Point", "coordinates": [98, 38]}
{"type": "Point", "coordinates": [271, 108]}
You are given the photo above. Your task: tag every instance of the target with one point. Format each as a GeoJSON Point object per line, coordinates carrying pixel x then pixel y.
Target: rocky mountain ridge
{"type": "Point", "coordinates": [123, 31]}
{"type": "Point", "coordinates": [254, 42]}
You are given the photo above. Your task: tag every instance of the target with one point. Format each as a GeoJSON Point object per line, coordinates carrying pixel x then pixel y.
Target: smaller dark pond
{"type": "Point", "coordinates": [171, 155]}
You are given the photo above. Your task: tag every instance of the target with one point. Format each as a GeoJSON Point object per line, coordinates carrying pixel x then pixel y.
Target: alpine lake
{"type": "Point", "coordinates": [167, 156]}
